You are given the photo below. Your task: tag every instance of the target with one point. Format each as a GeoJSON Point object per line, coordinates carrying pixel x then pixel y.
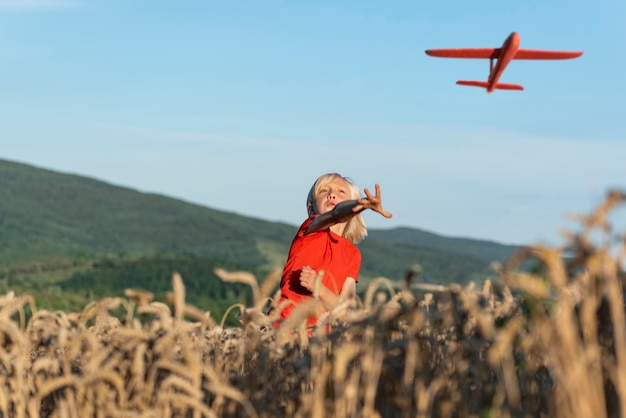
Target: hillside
{"type": "Point", "coordinates": [485, 250]}
{"type": "Point", "coordinates": [56, 221]}
{"type": "Point", "coordinates": [46, 215]}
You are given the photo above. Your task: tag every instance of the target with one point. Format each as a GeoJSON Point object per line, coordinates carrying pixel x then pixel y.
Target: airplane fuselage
{"type": "Point", "coordinates": [507, 53]}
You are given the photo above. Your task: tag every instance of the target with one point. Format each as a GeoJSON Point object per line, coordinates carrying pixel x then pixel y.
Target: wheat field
{"type": "Point", "coordinates": [548, 341]}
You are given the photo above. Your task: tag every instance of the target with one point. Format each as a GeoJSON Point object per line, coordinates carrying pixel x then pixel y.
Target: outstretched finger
{"type": "Point", "coordinates": [385, 213]}
{"type": "Point", "coordinates": [379, 200]}
{"type": "Point", "coordinates": [377, 187]}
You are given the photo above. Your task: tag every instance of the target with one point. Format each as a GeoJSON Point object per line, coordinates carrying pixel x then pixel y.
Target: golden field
{"type": "Point", "coordinates": [546, 341]}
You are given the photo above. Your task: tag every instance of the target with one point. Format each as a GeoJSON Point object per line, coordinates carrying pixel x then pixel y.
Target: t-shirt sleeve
{"type": "Point", "coordinates": [305, 225]}
{"type": "Point", "coordinates": [355, 267]}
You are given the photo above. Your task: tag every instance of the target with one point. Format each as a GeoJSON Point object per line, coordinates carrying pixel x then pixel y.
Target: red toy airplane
{"type": "Point", "coordinates": [503, 56]}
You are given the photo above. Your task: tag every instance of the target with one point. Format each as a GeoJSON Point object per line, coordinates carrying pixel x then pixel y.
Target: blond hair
{"type": "Point", "coordinates": [355, 229]}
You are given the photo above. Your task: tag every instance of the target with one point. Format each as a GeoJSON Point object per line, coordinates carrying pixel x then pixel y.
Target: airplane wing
{"type": "Point", "coordinates": [485, 84]}
{"type": "Point", "coordinates": [521, 54]}
{"type": "Point", "coordinates": [464, 52]}
{"type": "Point", "coordinates": [538, 54]}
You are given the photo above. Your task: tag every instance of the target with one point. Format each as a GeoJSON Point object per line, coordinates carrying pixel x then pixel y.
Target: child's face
{"type": "Point", "coordinates": [330, 194]}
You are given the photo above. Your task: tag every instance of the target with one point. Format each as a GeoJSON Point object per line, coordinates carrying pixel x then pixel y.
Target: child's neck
{"type": "Point", "coordinates": [338, 228]}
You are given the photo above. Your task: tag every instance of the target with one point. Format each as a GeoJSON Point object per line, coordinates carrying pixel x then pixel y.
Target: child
{"type": "Point", "coordinates": [325, 243]}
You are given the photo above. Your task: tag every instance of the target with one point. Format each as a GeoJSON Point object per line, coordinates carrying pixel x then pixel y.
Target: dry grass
{"type": "Point", "coordinates": [551, 343]}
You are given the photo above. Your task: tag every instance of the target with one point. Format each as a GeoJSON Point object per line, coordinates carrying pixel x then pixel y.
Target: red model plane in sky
{"type": "Point", "coordinates": [502, 56]}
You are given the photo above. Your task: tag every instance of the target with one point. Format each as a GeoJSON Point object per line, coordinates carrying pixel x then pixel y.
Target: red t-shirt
{"type": "Point", "coordinates": [323, 250]}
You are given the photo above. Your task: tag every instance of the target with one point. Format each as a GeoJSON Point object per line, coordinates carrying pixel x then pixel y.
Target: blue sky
{"type": "Point", "coordinates": [240, 105]}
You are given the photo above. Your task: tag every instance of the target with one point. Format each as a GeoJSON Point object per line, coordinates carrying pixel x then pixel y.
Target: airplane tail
{"type": "Point", "coordinates": [484, 84]}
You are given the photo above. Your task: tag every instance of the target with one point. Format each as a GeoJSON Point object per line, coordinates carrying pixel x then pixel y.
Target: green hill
{"type": "Point", "coordinates": [482, 249]}
{"type": "Point", "coordinates": [45, 215]}
{"type": "Point", "coordinates": [54, 226]}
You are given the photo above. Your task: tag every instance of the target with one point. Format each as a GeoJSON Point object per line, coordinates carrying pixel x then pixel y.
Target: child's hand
{"type": "Point", "coordinates": [307, 278]}
{"type": "Point", "coordinates": [372, 202]}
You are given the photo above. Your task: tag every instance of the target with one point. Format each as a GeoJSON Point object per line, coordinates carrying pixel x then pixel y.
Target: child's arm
{"type": "Point", "coordinates": [342, 212]}
{"type": "Point", "coordinates": [329, 300]}
{"type": "Point", "coordinates": [347, 209]}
